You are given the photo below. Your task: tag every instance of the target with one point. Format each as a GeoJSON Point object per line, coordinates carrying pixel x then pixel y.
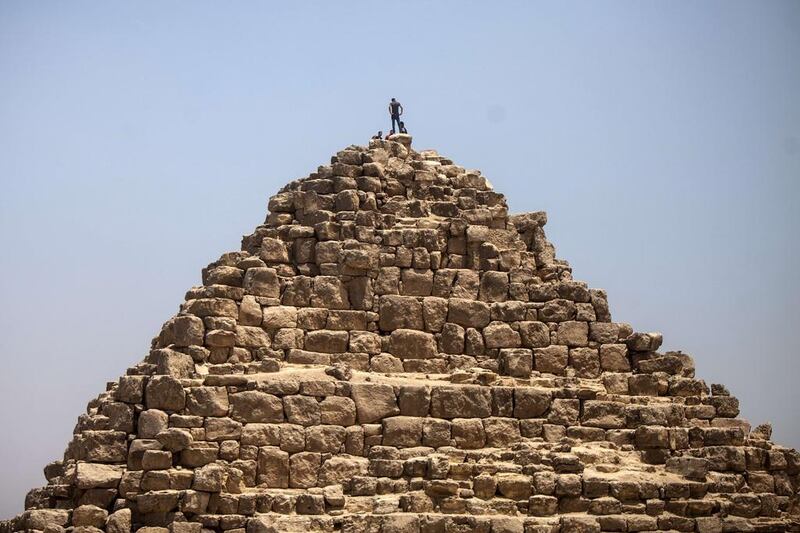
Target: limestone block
{"type": "Point", "coordinates": [279, 316]}
{"type": "Point", "coordinates": [273, 251]}
{"type": "Point", "coordinates": [514, 486]}
{"type": "Point", "coordinates": [330, 293]}
{"type": "Point", "coordinates": [644, 342]}
{"type": "Point", "coordinates": [250, 311]}
{"type": "Point", "coordinates": [166, 393]}
{"type": "Point", "coordinates": [412, 344]}
{"type": "Point", "coordinates": [541, 505]}
{"type": "Point", "coordinates": [89, 516]}
{"type": "Point", "coordinates": [500, 335]}
{"type": "Point", "coordinates": [434, 310]}
{"type": "Point", "coordinates": [534, 334]}
{"type": "Point", "coordinates": [92, 476]}
{"type": "Point", "coordinates": [220, 429]}
{"type": "Point", "coordinates": [303, 469]}
{"type": "Point", "coordinates": [172, 363]}
{"type": "Point", "coordinates": [614, 358]}
{"type": "Point", "coordinates": [187, 330]}
{"type": "Point", "coordinates": [337, 410]}
{"type": "Point", "coordinates": [572, 333]}
{"type": "Point", "coordinates": [374, 402]}
{"type": "Point", "coordinates": [302, 410]}
{"type": "Point", "coordinates": [531, 403]}
{"type": "Point", "coordinates": [564, 412]}
{"type": "Point", "coordinates": [551, 360]}
{"type": "Point", "coordinates": [251, 337]}
{"type": "Point", "coordinates": [516, 362]}
{"type": "Point", "coordinates": [156, 460]}
{"type": "Point", "coordinates": [131, 389]}
{"type": "Point", "coordinates": [414, 400]}
{"type": "Point", "coordinates": [385, 363]}
{"type": "Point", "coordinates": [468, 433]}
{"type": "Point", "coordinates": [257, 434]}
{"type": "Point", "coordinates": [558, 310]}
{"type": "Point", "coordinates": [602, 414]}
{"type": "Point", "coordinates": [151, 423]}
{"type": "Point", "coordinates": [468, 313]}
{"type": "Point", "coordinates": [604, 332]}
{"type": "Point", "coordinates": [455, 402]}
{"type": "Point", "coordinates": [162, 501]}
{"type": "Point", "coordinates": [204, 307]}
{"type": "Point", "coordinates": [501, 432]}
{"type": "Point", "coordinates": [585, 362]}
{"type": "Point", "coordinates": [416, 282]}
{"type": "Point", "coordinates": [402, 431]}
{"type": "Point", "coordinates": [288, 339]}
{"type": "Point", "coordinates": [452, 340]}
{"type": "Point", "coordinates": [256, 406]}
{"type": "Point", "coordinates": [436, 432]}
{"type": "Point", "coordinates": [119, 521]}
{"type": "Point", "coordinates": [347, 320]}
{"type": "Point", "coordinates": [473, 342]}
{"type": "Point", "coordinates": [207, 401]}
{"type": "Point", "coordinates": [174, 439]}
{"type": "Point", "coordinates": [364, 342]}
{"type": "Point", "coordinates": [273, 467]}
{"type": "Point", "coordinates": [325, 439]}
{"type": "Point", "coordinates": [340, 469]}
{"type": "Point", "coordinates": [292, 438]}
{"type": "Point", "coordinates": [400, 312]}
{"type": "Point", "coordinates": [199, 454]}
{"type": "Point", "coordinates": [261, 281]}
{"type": "Point", "coordinates": [326, 341]}
{"type": "Point", "coordinates": [493, 287]}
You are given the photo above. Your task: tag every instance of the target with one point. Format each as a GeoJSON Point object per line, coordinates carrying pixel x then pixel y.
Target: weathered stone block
{"type": "Point", "coordinates": [400, 312]}
{"type": "Point", "coordinates": [468, 313]}
{"type": "Point", "coordinates": [414, 400]}
{"type": "Point", "coordinates": [551, 360]}
{"type": "Point", "coordinates": [261, 281]}
{"type": "Point", "coordinates": [165, 392]}
{"type": "Point", "coordinates": [326, 341]}
{"type": "Point", "coordinates": [337, 410]}
{"type": "Point", "coordinates": [517, 362]}
{"type": "Point", "coordinates": [500, 335]}
{"type": "Point", "coordinates": [468, 433]}
{"type": "Point", "coordinates": [303, 469]}
{"type": "Point", "coordinates": [273, 467]}
{"type": "Point", "coordinates": [374, 402]}
{"type": "Point", "coordinates": [207, 401]}
{"type": "Point", "coordinates": [467, 401]}
{"type": "Point", "coordinates": [412, 344]}
{"type": "Point", "coordinates": [402, 431]}
{"type": "Point", "coordinates": [302, 410]}
{"type": "Point", "coordinates": [607, 415]}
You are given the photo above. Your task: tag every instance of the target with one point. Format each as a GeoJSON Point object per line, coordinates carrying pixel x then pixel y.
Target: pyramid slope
{"type": "Point", "coordinates": [392, 351]}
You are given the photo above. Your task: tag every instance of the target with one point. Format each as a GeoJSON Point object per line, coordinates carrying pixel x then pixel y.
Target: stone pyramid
{"type": "Point", "coordinates": [391, 351]}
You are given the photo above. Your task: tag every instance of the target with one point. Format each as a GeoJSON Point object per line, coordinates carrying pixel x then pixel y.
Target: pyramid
{"type": "Point", "coordinates": [392, 352]}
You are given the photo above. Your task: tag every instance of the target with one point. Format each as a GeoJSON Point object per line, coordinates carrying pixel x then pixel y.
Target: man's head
{"type": "Point", "coordinates": [393, 99]}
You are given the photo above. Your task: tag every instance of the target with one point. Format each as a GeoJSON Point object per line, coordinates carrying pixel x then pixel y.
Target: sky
{"type": "Point", "coordinates": [141, 140]}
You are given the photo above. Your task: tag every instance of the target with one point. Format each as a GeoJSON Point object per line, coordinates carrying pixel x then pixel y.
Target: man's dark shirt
{"type": "Point", "coordinates": [395, 106]}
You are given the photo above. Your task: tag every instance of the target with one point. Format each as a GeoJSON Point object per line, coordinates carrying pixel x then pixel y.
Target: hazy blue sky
{"type": "Point", "coordinates": [140, 140]}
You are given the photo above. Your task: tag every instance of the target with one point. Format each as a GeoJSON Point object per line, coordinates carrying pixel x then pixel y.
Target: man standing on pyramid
{"type": "Point", "coordinates": [395, 110]}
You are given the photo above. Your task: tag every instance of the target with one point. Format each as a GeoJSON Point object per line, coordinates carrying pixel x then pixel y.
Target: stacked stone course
{"type": "Point", "coordinates": [391, 351]}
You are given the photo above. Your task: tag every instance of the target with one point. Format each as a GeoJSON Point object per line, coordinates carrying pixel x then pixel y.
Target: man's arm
{"type": "Point", "coordinates": [390, 109]}
{"type": "Point", "coordinates": [401, 109]}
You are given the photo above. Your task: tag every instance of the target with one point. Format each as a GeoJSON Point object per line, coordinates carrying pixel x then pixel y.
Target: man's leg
{"type": "Point", "coordinates": [396, 119]}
